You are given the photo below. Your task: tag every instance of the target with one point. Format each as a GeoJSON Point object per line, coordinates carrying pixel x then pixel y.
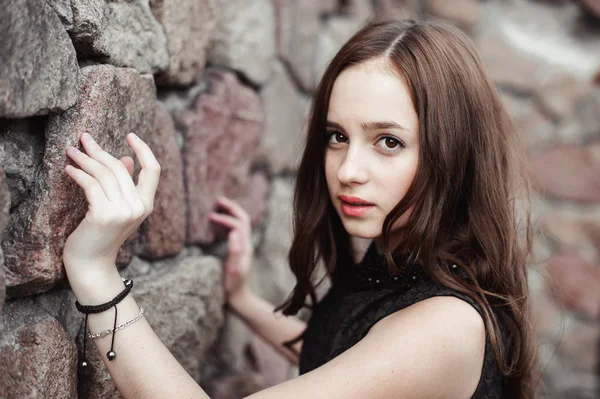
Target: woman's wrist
{"type": "Point", "coordinates": [96, 287]}
{"type": "Point", "coordinates": [240, 298]}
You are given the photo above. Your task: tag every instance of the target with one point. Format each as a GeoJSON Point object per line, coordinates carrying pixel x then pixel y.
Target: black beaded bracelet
{"type": "Point", "coordinates": [87, 309]}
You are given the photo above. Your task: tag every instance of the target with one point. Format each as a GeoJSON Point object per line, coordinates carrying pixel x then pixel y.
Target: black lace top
{"type": "Point", "coordinates": [363, 294]}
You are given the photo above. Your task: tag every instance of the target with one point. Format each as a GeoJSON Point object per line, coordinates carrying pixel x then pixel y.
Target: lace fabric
{"type": "Point", "coordinates": [362, 294]}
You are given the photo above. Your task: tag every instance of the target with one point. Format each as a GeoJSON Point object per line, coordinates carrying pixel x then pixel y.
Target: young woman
{"type": "Point", "coordinates": [410, 150]}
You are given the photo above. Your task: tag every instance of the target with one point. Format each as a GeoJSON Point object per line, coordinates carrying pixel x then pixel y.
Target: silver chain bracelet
{"type": "Point", "coordinates": [119, 327]}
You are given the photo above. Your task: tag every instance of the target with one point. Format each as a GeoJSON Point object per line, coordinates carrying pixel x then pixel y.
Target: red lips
{"type": "Point", "coordinates": [354, 200]}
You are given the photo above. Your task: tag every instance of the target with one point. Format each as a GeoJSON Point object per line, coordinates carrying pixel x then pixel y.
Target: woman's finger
{"type": "Point", "coordinates": [128, 162]}
{"type": "Point", "coordinates": [120, 172]}
{"type": "Point", "coordinates": [150, 174]}
{"type": "Point", "coordinates": [234, 208]}
{"type": "Point", "coordinates": [226, 220]}
{"type": "Point", "coordinates": [99, 172]}
{"type": "Point", "coordinates": [92, 189]}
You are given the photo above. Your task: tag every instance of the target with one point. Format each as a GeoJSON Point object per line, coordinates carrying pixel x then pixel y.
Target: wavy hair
{"type": "Point", "coordinates": [466, 194]}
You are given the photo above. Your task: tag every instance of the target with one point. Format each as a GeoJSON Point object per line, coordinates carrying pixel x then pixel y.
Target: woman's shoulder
{"type": "Point", "coordinates": [444, 332]}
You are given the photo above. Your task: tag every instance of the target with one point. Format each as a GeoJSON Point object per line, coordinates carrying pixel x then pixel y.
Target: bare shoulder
{"type": "Point", "coordinates": [449, 334]}
{"type": "Point", "coordinates": [434, 348]}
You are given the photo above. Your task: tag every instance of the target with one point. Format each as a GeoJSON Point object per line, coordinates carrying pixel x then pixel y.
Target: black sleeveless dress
{"type": "Point", "coordinates": [364, 293]}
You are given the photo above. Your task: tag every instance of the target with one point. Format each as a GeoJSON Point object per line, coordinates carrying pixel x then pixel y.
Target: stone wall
{"type": "Point", "coordinates": [220, 90]}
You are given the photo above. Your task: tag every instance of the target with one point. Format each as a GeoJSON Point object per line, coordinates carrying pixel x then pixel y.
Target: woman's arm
{"type": "Point", "coordinates": [274, 328]}
{"type": "Point", "coordinates": [434, 348]}
{"type": "Point", "coordinates": [143, 367]}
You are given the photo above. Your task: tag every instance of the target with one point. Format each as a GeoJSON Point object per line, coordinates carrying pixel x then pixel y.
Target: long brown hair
{"type": "Point", "coordinates": [466, 210]}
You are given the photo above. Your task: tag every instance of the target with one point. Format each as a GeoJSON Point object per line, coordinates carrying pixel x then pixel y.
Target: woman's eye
{"type": "Point", "coordinates": [338, 136]}
{"type": "Point", "coordinates": [391, 144]}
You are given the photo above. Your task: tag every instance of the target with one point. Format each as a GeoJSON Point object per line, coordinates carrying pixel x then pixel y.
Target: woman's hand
{"type": "Point", "coordinates": [116, 206]}
{"type": "Point", "coordinates": [239, 244]}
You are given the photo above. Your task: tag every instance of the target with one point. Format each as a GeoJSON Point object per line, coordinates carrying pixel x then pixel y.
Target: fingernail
{"type": "Point", "coordinates": [136, 137]}
{"type": "Point", "coordinates": [88, 137]}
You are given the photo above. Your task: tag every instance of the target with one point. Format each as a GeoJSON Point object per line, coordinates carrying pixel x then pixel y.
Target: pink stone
{"type": "Point", "coordinates": [576, 283]}
{"type": "Point", "coordinates": [163, 232]}
{"type": "Point", "coordinates": [558, 95]}
{"type": "Point", "coordinates": [569, 172]}
{"type": "Point", "coordinates": [572, 234]}
{"type": "Point", "coordinates": [190, 26]}
{"type": "Point", "coordinates": [297, 29]}
{"type": "Point", "coordinates": [37, 360]}
{"type": "Point", "coordinates": [222, 132]}
{"type": "Point", "coordinates": [465, 13]}
{"type": "Point", "coordinates": [253, 200]}
{"type": "Point", "coordinates": [579, 347]}
{"type": "Point", "coordinates": [397, 9]}
{"type": "Point", "coordinates": [507, 66]}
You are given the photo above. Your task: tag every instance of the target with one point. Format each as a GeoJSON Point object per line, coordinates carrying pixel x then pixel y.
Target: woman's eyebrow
{"type": "Point", "coordinates": [382, 125]}
{"type": "Point", "coordinates": [372, 125]}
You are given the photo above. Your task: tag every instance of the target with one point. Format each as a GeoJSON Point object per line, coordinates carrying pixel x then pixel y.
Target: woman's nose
{"type": "Point", "coordinates": [352, 169]}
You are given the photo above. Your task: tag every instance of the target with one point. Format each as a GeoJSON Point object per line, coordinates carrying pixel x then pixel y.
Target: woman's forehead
{"type": "Point", "coordinates": [365, 94]}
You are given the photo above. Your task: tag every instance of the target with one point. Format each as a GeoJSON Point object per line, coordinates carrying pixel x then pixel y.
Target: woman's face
{"type": "Point", "coordinates": [373, 146]}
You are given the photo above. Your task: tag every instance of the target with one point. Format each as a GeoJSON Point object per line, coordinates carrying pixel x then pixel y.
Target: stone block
{"type": "Point", "coordinates": [246, 38]}
{"type": "Point", "coordinates": [286, 113]}
{"type": "Point", "coordinates": [221, 133]}
{"type": "Point", "coordinates": [569, 172]}
{"type": "Point", "coordinates": [38, 64]}
{"type": "Point", "coordinates": [38, 358]}
{"type": "Point", "coordinates": [191, 28]}
{"type": "Point", "coordinates": [123, 33]}
{"type": "Point", "coordinates": [163, 232]}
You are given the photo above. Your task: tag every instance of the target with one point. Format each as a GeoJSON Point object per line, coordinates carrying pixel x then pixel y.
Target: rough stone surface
{"type": "Point", "coordinates": [558, 95]}
{"type": "Point", "coordinates": [298, 24]}
{"type": "Point", "coordinates": [229, 356]}
{"type": "Point", "coordinates": [119, 32]}
{"type": "Point", "coordinates": [272, 366]}
{"type": "Point", "coordinates": [572, 233]}
{"type": "Point", "coordinates": [285, 112]}
{"type": "Point", "coordinates": [576, 283]}
{"type": "Point", "coordinates": [163, 232]}
{"type": "Point", "coordinates": [21, 153]}
{"type": "Point", "coordinates": [253, 199]}
{"type": "Point", "coordinates": [184, 303]}
{"type": "Point", "coordinates": [397, 9]}
{"type": "Point", "coordinates": [554, 171]}
{"type": "Point", "coordinates": [357, 10]}
{"type": "Point", "coordinates": [464, 13]}
{"type": "Point", "coordinates": [271, 277]}
{"type": "Point", "coordinates": [38, 64]}
{"type": "Point", "coordinates": [222, 132]}
{"type": "Point", "coordinates": [112, 103]}
{"type": "Point", "coordinates": [583, 125]}
{"type": "Point", "coordinates": [246, 38]}
{"type": "Point", "coordinates": [64, 11]}
{"type": "Point", "coordinates": [537, 128]}
{"type": "Point", "coordinates": [579, 348]}
{"type": "Point", "coordinates": [4, 217]}
{"type": "Point", "coordinates": [38, 359]}
{"type": "Point", "coordinates": [508, 67]}
{"type": "Point", "coordinates": [190, 27]}
{"type": "Point", "coordinates": [336, 31]}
